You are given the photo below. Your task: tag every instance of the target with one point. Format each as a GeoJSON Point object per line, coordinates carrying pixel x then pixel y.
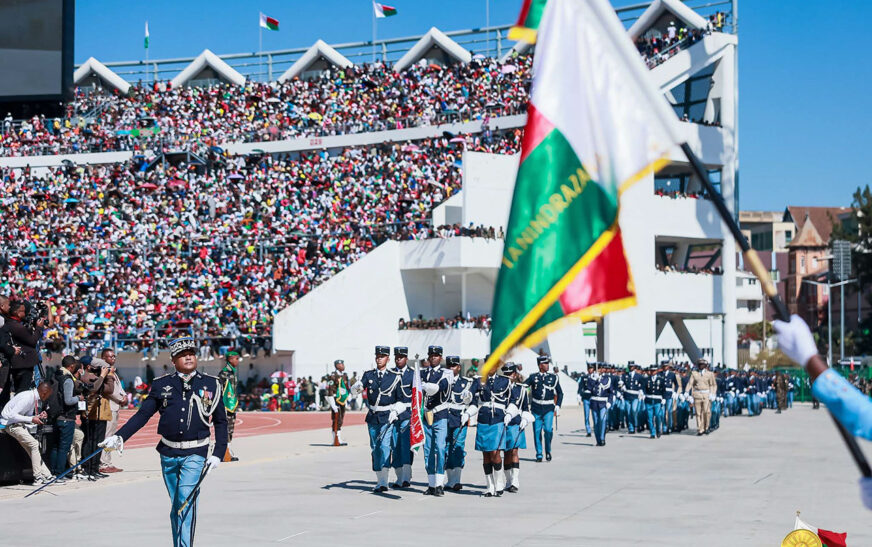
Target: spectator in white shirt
{"type": "Point", "coordinates": [21, 410]}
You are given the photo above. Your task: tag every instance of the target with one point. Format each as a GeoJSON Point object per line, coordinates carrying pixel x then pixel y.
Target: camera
{"type": "Point", "coordinates": [34, 312]}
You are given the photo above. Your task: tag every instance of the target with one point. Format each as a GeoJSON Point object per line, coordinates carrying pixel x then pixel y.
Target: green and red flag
{"type": "Point", "coordinates": [528, 21]}
{"type": "Point", "coordinates": [268, 22]}
{"type": "Point", "coordinates": [383, 10]}
{"type": "Point", "coordinates": [827, 538]}
{"type": "Point", "coordinates": [595, 125]}
{"type": "Point", "coordinates": [416, 420]}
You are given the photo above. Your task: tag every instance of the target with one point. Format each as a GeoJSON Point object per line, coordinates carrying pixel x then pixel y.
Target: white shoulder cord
{"type": "Point", "coordinates": [204, 414]}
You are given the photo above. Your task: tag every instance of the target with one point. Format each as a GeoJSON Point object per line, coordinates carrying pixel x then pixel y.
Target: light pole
{"type": "Point", "coordinates": [829, 287]}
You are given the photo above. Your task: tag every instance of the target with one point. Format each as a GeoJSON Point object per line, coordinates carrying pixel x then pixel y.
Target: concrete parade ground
{"type": "Point", "coordinates": [741, 485]}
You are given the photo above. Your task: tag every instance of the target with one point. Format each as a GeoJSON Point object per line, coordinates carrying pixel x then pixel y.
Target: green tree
{"type": "Point", "coordinates": [857, 229]}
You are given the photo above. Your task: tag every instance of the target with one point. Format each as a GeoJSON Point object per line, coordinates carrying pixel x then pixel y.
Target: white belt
{"type": "Point", "coordinates": [669, 389]}
{"type": "Point", "coordinates": [654, 396]}
{"type": "Point", "coordinates": [632, 391]}
{"type": "Point", "coordinates": [701, 390]}
{"type": "Point", "coordinates": [406, 405]}
{"type": "Point", "coordinates": [439, 408]}
{"type": "Point", "coordinates": [500, 406]}
{"type": "Point", "coordinates": [457, 406]}
{"type": "Point", "coordinates": [386, 408]}
{"type": "Point", "coordinates": [603, 399]}
{"type": "Point", "coordinates": [185, 445]}
{"type": "Point", "coordinates": [541, 402]}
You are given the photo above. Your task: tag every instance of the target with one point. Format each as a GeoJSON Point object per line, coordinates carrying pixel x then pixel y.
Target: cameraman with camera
{"type": "Point", "coordinates": [7, 351]}
{"type": "Point", "coordinates": [26, 324]}
{"type": "Point", "coordinates": [65, 405]}
{"type": "Point", "coordinates": [99, 386]}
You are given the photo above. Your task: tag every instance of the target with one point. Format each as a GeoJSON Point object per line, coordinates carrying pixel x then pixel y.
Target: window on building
{"type": "Point", "coordinates": [788, 236]}
{"type": "Point", "coordinates": [802, 264]}
{"type": "Point", "coordinates": [689, 98]}
{"type": "Point", "coordinates": [814, 264]}
{"type": "Point", "coordinates": [753, 305]}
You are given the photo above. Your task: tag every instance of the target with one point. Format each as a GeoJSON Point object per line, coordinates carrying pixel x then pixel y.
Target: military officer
{"type": "Point", "coordinates": [751, 394]}
{"type": "Point", "coordinates": [436, 386]}
{"type": "Point", "coordinates": [601, 400]}
{"type": "Point", "coordinates": [654, 387]}
{"type": "Point", "coordinates": [702, 385]}
{"type": "Point", "coordinates": [616, 413]}
{"type": "Point", "coordinates": [460, 408]}
{"type": "Point", "coordinates": [189, 402]}
{"type": "Point", "coordinates": [380, 388]}
{"type": "Point", "coordinates": [547, 396]}
{"type": "Point", "coordinates": [515, 438]}
{"type": "Point", "coordinates": [634, 396]}
{"type": "Point", "coordinates": [670, 388]}
{"type": "Point", "coordinates": [402, 455]}
{"type": "Point", "coordinates": [584, 393]}
{"type": "Point", "coordinates": [730, 389]}
{"type": "Point", "coordinates": [684, 404]}
{"type": "Point", "coordinates": [230, 393]}
{"type": "Point", "coordinates": [494, 413]}
{"type": "Point", "coordinates": [781, 387]}
{"type": "Point", "coordinates": [337, 397]}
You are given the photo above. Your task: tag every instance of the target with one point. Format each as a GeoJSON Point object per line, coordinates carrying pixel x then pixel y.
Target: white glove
{"type": "Point", "coordinates": [398, 407]}
{"type": "Point", "coordinates": [795, 340]}
{"type": "Point", "coordinates": [392, 417]}
{"type": "Point", "coordinates": [711, 396]}
{"type": "Point", "coordinates": [608, 406]}
{"type": "Point", "coordinates": [557, 411]}
{"type": "Point", "coordinates": [467, 397]}
{"type": "Point", "coordinates": [332, 402]}
{"type": "Point", "coordinates": [112, 443]}
{"type": "Point", "coordinates": [430, 389]}
{"type": "Point", "coordinates": [464, 417]}
{"type": "Point", "coordinates": [526, 418]}
{"type": "Point", "coordinates": [357, 388]}
{"type": "Point", "coordinates": [470, 411]}
{"type": "Point", "coordinates": [523, 423]}
{"type": "Point", "coordinates": [866, 491]}
{"type": "Point", "coordinates": [212, 464]}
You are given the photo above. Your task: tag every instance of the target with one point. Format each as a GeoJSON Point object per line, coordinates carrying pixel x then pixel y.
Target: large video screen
{"type": "Point", "coordinates": [35, 46]}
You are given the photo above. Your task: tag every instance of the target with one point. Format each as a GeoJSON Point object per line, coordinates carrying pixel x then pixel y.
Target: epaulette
{"type": "Point", "coordinates": [167, 375]}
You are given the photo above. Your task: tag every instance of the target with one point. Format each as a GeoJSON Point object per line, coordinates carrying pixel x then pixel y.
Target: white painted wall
{"type": "Point", "coordinates": [488, 182]}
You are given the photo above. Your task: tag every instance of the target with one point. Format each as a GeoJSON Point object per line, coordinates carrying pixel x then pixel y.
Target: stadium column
{"type": "Point", "coordinates": [729, 189]}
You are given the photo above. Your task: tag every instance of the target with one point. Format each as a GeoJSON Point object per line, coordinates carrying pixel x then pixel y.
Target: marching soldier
{"type": "Point", "coordinates": [402, 455]}
{"type": "Point", "coordinates": [584, 393]}
{"type": "Point", "coordinates": [547, 396]}
{"type": "Point", "coordinates": [633, 396]}
{"type": "Point", "coordinates": [751, 394]}
{"type": "Point", "coordinates": [337, 397]}
{"type": "Point", "coordinates": [616, 411]}
{"type": "Point", "coordinates": [381, 388]}
{"type": "Point", "coordinates": [460, 400]}
{"type": "Point", "coordinates": [515, 437]}
{"type": "Point", "coordinates": [670, 387]}
{"type": "Point", "coordinates": [781, 387]}
{"type": "Point", "coordinates": [702, 384]}
{"type": "Point", "coordinates": [601, 399]}
{"type": "Point", "coordinates": [188, 402]}
{"type": "Point", "coordinates": [436, 386]}
{"type": "Point", "coordinates": [684, 406]}
{"type": "Point", "coordinates": [494, 413]}
{"type": "Point", "coordinates": [654, 389]}
{"type": "Point", "coordinates": [230, 393]}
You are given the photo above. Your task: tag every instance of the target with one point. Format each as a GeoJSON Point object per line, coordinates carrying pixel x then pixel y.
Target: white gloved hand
{"type": "Point", "coordinates": [524, 423]}
{"type": "Point", "coordinates": [430, 389]}
{"type": "Point", "coordinates": [332, 402]}
{"type": "Point", "coordinates": [464, 417]}
{"type": "Point", "coordinates": [795, 340]}
{"type": "Point", "coordinates": [212, 464]}
{"type": "Point", "coordinates": [112, 443]}
{"type": "Point", "coordinates": [711, 397]}
{"type": "Point", "coordinates": [392, 417]}
{"type": "Point", "coordinates": [608, 406]}
{"type": "Point", "coordinates": [467, 397]}
{"type": "Point", "coordinates": [357, 388]}
{"type": "Point", "coordinates": [866, 491]}
{"type": "Point", "coordinates": [557, 411]}
{"type": "Point", "coordinates": [507, 418]}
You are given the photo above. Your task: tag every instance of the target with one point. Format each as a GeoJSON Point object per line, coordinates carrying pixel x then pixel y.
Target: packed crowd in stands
{"type": "Point", "coordinates": [135, 256]}
{"type": "Point", "coordinates": [677, 194]}
{"type": "Point", "coordinates": [459, 321]}
{"type": "Point", "coordinates": [658, 48]}
{"type": "Point", "coordinates": [690, 269]}
{"type": "Point", "coordinates": [357, 99]}
{"type": "Point", "coordinates": [447, 231]}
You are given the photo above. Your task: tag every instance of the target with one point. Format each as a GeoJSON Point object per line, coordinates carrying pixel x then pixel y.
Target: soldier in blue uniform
{"type": "Point", "coordinates": [601, 399]}
{"type": "Point", "coordinates": [402, 455]}
{"type": "Point", "coordinates": [654, 387]}
{"type": "Point", "coordinates": [751, 394]}
{"type": "Point", "coordinates": [584, 393]}
{"type": "Point", "coordinates": [460, 408]}
{"type": "Point", "coordinates": [546, 397]}
{"type": "Point", "coordinates": [616, 412]}
{"type": "Point", "coordinates": [515, 438]}
{"type": "Point", "coordinates": [436, 385]}
{"type": "Point", "coordinates": [685, 402]}
{"type": "Point", "coordinates": [670, 388]}
{"type": "Point", "coordinates": [494, 413]}
{"type": "Point", "coordinates": [633, 396]}
{"type": "Point", "coordinates": [189, 402]}
{"type": "Point", "coordinates": [730, 400]}
{"type": "Point", "coordinates": [380, 388]}
{"type": "Point", "coordinates": [718, 403]}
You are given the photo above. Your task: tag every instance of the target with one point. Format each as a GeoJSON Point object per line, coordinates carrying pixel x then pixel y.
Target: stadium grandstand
{"type": "Point", "coordinates": [206, 195]}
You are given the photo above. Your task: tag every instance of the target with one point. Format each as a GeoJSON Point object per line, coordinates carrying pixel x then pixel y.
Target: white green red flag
{"type": "Point", "coordinates": [146, 35]}
{"type": "Point", "coordinates": [828, 538]}
{"type": "Point", "coordinates": [528, 21]}
{"type": "Point", "coordinates": [416, 421]}
{"type": "Point", "coordinates": [383, 10]}
{"type": "Point", "coordinates": [595, 125]}
{"type": "Point", "coordinates": [268, 22]}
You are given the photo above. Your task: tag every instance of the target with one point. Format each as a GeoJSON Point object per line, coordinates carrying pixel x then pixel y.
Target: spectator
{"type": "Point", "coordinates": [64, 412]}
{"type": "Point", "coordinates": [7, 352]}
{"type": "Point", "coordinates": [116, 399]}
{"type": "Point", "coordinates": [99, 386]}
{"type": "Point", "coordinates": [17, 414]}
{"type": "Point", "coordinates": [27, 339]}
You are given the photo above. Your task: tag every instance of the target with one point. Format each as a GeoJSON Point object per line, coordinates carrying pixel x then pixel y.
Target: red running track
{"type": "Point", "coordinates": [249, 424]}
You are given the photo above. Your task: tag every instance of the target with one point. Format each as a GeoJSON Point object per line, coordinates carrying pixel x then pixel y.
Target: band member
{"type": "Point", "coordinates": [462, 392]}
{"type": "Point", "coordinates": [402, 455]}
{"type": "Point", "coordinates": [337, 397]}
{"type": "Point", "coordinates": [702, 384]}
{"type": "Point", "coordinates": [515, 437]}
{"type": "Point", "coordinates": [547, 396]}
{"type": "Point", "coordinates": [230, 393]}
{"type": "Point", "coordinates": [188, 402]}
{"type": "Point", "coordinates": [381, 388]}
{"type": "Point", "coordinates": [494, 412]}
{"type": "Point", "coordinates": [602, 397]}
{"type": "Point", "coordinates": [436, 386]}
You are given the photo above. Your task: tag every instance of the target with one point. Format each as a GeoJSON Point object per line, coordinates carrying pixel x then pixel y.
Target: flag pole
{"type": "Point", "coordinates": [260, 48]}
{"type": "Point", "coordinates": [752, 259]}
{"type": "Point", "coordinates": [373, 33]}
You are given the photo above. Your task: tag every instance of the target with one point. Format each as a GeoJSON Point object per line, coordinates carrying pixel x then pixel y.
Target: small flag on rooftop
{"type": "Point", "coordinates": [383, 10]}
{"type": "Point", "coordinates": [146, 35]}
{"type": "Point", "coordinates": [268, 22]}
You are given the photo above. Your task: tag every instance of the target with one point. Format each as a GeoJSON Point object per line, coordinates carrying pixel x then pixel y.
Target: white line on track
{"type": "Point", "coordinates": [292, 536]}
{"type": "Point", "coordinates": [366, 515]}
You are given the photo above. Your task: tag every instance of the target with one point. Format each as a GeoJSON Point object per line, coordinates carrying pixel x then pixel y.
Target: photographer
{"type": "Point", "coordinates": [17, 415]}
{"type": "Point", "coordinates": [99, 386]}
{"type": "Point", "coordinates": [65, 405]}
{"type": "Point", "coordinates": [26, 333]}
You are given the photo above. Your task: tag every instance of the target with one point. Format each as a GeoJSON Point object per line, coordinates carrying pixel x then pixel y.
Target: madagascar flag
{"type": "Point", "coordinates": [383, 10]}
{"type": "Point", "coordinates": [595, 125]}
{"type": "Point", "coordinates": [416, 422]}
{"type": "Point", "coordinates": [268, 22]}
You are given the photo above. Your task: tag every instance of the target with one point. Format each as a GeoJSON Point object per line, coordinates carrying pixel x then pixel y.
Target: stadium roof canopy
{"type": "Point", "coordinates": [662, 12]}
{"type": "Point", "coordinates": [93, 72]}
{"type": "Point", "coordinates": [207, 68]}
{"type": "Point", "coordinates": [316, 59]}
{"type": "Point", "coordinates": [434, 47]}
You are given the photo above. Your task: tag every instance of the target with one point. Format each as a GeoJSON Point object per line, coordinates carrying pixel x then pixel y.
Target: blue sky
{"type": "Point", "coordinates": [804, 75]}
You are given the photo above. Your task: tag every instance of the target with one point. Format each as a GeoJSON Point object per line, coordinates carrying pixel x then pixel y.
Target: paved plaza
{"type": "Point", "coordinates": [740, 486]}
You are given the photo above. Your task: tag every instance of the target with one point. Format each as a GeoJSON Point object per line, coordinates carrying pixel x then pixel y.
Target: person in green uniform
{"type": "Point", "coordinates": [337, 397]}
{"type": "Point", "coordinates": [230, 390]}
